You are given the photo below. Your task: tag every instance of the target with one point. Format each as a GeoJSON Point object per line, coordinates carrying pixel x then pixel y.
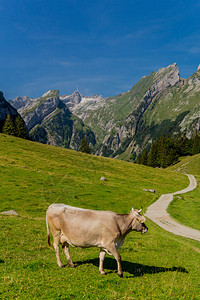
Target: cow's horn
{"type": "Point", "coordinates": [140, 210]}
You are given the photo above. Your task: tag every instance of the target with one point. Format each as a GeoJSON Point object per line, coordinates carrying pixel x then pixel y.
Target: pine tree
{"type": "Point", "coordinates": [139, 159]}
{"type": "Point", "coordinates": [9, 126]}
{"type": "Point", "coordinates": [152, 160]}
{"type": "Point", "coordinates": [20, 127]}
{"type": "Point", "coordinates": [144, 157]}
{"type": "Point", "coordinates": [182, 144]}
{"type": "Point", "coordinates": [161, 151]}
{"type": "Point", "coordinates": [195, 147]}
{"type": "Point", "coordinates": [84, 147]}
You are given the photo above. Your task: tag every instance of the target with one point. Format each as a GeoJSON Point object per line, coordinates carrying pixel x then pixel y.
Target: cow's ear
{"type": "Point", "coordinates": [132, 209]}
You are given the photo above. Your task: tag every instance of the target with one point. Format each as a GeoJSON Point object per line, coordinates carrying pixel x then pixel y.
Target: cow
{"type": "Point", "coordinates": [85, 228]}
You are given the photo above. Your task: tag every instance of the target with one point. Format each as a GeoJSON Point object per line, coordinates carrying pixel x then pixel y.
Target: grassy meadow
{"type": "Point", "coordinates": [157, 265]}
{"type": "Point", "coordinates": [187, 209]}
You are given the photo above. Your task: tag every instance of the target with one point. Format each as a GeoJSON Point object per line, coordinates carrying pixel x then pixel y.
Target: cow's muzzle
{"type": "Point", "coordinates": [144, 228]}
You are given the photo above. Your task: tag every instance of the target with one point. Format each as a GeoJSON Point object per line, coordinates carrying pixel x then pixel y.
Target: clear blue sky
{"type": "Point", "coordinates": [104, 46]}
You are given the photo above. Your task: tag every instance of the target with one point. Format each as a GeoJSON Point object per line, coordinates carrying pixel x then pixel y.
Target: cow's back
{"type": "Point", "coordinates": [82, 227]}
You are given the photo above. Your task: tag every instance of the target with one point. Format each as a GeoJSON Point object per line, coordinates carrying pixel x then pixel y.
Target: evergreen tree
{"type": "Point", "coordinates": [152, 159]}
{"type": "Point", "coordinates": [144, 157]}
{"type": "Point", "coordinates": [9, 126]}
{"type": "Point", "coordinates": [195, 147]}
{"type": "Point", "coordinates": [20, 127]}
{"type": "Point", "coordinates": [165, 151]}
{"type": "Point", "coordinates": [162, 149]}
{"type": "Point", "coordinates": [182, 144]}
{"type": "Point", "coordinates": [84, 147]}
{"type": "Point", "coordinates": [139, 159]}
{"type": "Point", "coordinates": [171, 152]}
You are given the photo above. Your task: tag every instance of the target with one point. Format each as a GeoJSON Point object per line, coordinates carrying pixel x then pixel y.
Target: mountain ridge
{"type": "Point", "coordinates": [123, 125]}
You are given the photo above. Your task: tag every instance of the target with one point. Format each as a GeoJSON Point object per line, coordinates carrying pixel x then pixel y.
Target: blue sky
{"type": "Point", "coordinates": [103, 47]}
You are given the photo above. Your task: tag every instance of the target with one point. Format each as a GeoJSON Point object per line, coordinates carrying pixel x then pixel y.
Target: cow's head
{"type": "Point", "coordinates": [138, 221]}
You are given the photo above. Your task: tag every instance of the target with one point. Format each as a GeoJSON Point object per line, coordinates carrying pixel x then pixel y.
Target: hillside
{"type": "Point", "coordinates": [157, 265]}
{"type": "Point", "coordinates": [78, 176]}
{"type": "Point", "coordinates": [182, 208]}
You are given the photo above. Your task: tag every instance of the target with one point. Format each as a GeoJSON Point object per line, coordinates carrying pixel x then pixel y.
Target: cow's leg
{"type": "Point", "coordinates": [65, 247]}
{"type": "Point", "coordinates": [101, 260]}
{"type": "Point", "coordinates": [112, 249]}
{"type": "Point", "coordinates": [56, 243]}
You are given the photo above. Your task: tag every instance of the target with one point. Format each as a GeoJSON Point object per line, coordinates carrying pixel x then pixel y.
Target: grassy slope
{"type": "Point", "coordinates": [157, 265]}
{"type": "Point", "coordinates": [187, 209]}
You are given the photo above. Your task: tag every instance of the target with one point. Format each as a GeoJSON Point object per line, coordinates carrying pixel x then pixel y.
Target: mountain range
{"type": "Point", "coordinates": [120, 126]}
{"type": "Point", "coordinates": [50, 121]}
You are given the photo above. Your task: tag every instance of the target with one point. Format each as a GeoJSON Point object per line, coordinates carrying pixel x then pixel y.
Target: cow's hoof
{"type": "Point", "coordinates": [103, 272]}
{"type": "Point", "coordinates": [120, 274]}
{"type": "Point", "coordinates": [61, 266]}
{"type": "Point", "coordinates": [72, 266]}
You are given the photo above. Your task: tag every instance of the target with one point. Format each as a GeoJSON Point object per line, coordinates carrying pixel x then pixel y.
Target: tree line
{"type": "Point", "coordinates": [166, 150]}
{"type": "Point", "coordinates": [15, 127]}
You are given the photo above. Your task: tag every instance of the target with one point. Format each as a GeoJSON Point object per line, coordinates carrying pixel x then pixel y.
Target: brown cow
{"type": "Point", "coordinates": [90, 228]}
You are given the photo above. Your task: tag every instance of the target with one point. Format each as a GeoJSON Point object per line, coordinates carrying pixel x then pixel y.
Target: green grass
{"type": "Point", "coordinates": [187, 209]}
{"type": "Point", "coordinates": [157, 265]}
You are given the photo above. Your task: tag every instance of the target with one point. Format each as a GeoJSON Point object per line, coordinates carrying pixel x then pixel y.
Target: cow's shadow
{"type": "Point", "coordinates": [134, 269]}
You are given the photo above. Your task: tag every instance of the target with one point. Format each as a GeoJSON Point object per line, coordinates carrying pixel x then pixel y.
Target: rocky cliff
{"type": "Point", "coordinates": [49, 121]}
{"type": "Point", "coordinates": [72, 100]}
{"type": "Point", "coordinates": [123, 135]}
{"type": "Point", "coordinates": [20, 103]}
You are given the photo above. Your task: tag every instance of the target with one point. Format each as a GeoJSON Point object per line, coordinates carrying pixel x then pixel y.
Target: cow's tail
{"type": "Point", "coordinates": [48, 235]}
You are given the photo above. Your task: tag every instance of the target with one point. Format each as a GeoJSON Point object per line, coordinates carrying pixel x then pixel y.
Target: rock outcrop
{"type": "Point", "coordinates": [10, 213]}
{"type": "Point", "coordinates": [36, 115]}
{"type": "Point", "coordinates": [20, 103]}
{"type": "Point", "coordinates": [72, 100]}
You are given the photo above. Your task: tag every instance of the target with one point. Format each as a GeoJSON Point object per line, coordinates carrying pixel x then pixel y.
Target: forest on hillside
{"type": "Point", "coordinates": [166, 150]}
{"type": "Point", "coordinates": [14, 126]}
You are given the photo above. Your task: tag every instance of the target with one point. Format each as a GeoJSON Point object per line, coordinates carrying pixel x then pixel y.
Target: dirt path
{"type": "Point", "coordinates": [158, 214]}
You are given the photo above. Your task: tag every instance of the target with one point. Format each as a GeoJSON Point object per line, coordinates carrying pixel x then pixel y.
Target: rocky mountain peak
{"type": "Point", "coordinates": [51, 94]}
{"type": "Point", "coordinates": [198, 68]}
{"type": "Point", "coordinates": [170, 75]}
{"type": "Point", "coordinates": [20, 102]}
{"type": "Point", "coordinates": [72, 100]}
{"type": "Point", "coordinates": [77, 97]}
{"type": "Point", "coordinates": [163, 79]}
